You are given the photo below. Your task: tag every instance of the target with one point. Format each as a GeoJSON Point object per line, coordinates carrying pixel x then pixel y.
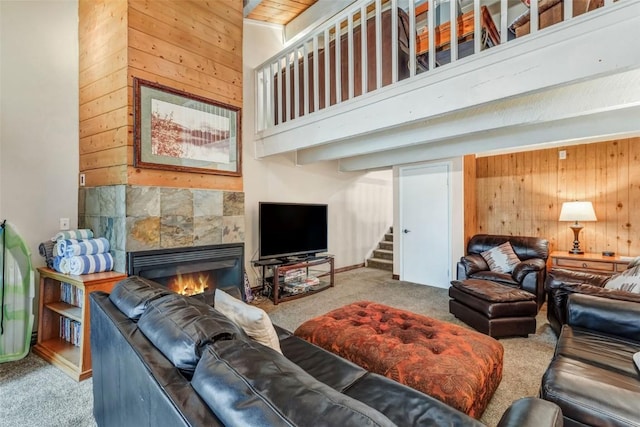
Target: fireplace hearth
{"type": "Point", "coordinates": [193, 270]}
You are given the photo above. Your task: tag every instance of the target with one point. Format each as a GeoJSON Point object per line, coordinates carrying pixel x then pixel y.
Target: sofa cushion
{"type": "Point", "coordinates": [180, 326]}
{"type": "Point", "coordinates": [245, 383]}
{"type": "Point", "coordinates": [628, 280]}
{"type": "Point", "coordinates": [501, 259]}
{"type": "Point", "coordinates": [253, 320]}
{"type": "Point", "coordinates": [591, 395]}
{"type": "Point", "coordinates": [131, 295]}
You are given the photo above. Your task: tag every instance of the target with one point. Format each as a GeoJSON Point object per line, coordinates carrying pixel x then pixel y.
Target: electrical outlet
{"type": "Point", "coordinates": [81, 180]}
{"type": "Point", "coordinates": [64, 223]}
{"type": "Point", "coordinates": [562, 154]}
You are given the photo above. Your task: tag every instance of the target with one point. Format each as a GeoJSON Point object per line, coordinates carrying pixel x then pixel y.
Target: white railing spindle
{"type": "Point", "coordinates": [477, 29]}
{"type": "Point", "coordinates": [288, 88]}
{"type": "Point", "coordinates": [533, 16]}
{"type": "Point", "coordinates": [281, 101]}
{"type": "Point", "coordinates": [453, 13]}
{"type": "Point", "coordinates": [412, 40]}
{"type": "Point", "coordinates": [338, 48]}
{"type": "Point", "coordinates": [431, 27]}
{"type": "Point", "coordinates": [327, 67]}
{"type": "Point", "coordinates": [305, 77]}
{"type": "Point", "coordinates": [568, 10]}
{"type": "Point", "coordinates": [378, 44]}
{"type": "Point", "coordinates": [364, 49]}
{"type": "Point", "coordinates": [394, 41]}
{"type": "Point", "coordinates": [296, 84]}
{"type": "Point", "coordinates": [350, 71]}
{"type": "Point", "coordinates": [316, 75]}
{"type": "Point", "coordinates": [504, 7]}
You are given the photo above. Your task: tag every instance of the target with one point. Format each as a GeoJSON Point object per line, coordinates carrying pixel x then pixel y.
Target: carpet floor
{"type": "Point", "coordinates": [35, 393]}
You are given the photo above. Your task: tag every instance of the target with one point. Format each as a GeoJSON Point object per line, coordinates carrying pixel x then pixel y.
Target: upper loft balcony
{"type": "Point", "coordinates": [503, 75]}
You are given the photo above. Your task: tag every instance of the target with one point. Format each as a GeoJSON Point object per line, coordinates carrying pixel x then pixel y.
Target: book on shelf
{"type": "Point", "coordinates": [71, 294]}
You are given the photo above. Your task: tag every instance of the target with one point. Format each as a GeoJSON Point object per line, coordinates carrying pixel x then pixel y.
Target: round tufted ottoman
{"type": "Point", "coordinates": [456, 365]}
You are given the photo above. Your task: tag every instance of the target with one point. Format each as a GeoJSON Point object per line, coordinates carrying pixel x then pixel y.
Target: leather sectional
{"type": "Point", "coordinates": [189, 365]}
{"type": "Point", "coordinates": [592, 376]}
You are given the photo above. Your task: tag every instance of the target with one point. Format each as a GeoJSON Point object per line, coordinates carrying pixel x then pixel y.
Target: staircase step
{"type": "Point", "coordinates": [386, 245]}
{"type": "Point", "coordinates": [380, 264]}
{"type": "Point", "coordinates": [383, 254]}
{"type": "Point", "coordinates": [388, 237]}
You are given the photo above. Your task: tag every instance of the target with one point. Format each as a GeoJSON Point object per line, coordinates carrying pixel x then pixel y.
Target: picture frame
{"type": "Point", "coordinates": [178, 131]}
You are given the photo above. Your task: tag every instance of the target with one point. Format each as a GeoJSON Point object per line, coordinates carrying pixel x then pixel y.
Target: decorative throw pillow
{"type": "Point", "coordinates": [501, 259]}
{"type": "Point", "coordinates": [253, 320]}
{"type": "Point", "coordinates": [628, 281]}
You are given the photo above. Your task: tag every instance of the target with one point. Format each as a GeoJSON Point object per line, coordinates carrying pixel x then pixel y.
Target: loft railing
{"type": "Point", "coordinates": [312, 75]}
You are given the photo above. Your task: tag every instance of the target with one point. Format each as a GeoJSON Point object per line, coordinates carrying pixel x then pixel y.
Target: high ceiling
{"type": "Point", "coordinates": [276, 11]}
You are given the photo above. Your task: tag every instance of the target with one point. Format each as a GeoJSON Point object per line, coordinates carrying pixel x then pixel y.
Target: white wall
{"type": "Point", "coordinates": [360, 203]}
{"type": "Point", "coordinates": [39, 117]}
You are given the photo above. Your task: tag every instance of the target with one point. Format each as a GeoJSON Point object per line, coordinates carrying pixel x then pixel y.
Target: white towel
{"type": "Point", "coordinates": [83, 233]}
{"type": "Point", "coordinates": [87, 247]}
{"type": "Point", "coordinates": [61, 246]}
{"type": "Point", "coordinates": [87, 264]}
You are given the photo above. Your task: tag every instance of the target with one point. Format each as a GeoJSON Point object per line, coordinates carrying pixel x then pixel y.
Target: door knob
{"type": "Point", "coordinates": [405, 231]}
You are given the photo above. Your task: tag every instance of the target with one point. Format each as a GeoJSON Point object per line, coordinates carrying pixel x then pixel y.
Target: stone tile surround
{"type": "Point", "coordinates": [138, 218]}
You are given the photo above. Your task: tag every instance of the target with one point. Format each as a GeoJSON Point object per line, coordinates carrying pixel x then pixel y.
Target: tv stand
{"type": "Point", "coordinates": [278, 286]}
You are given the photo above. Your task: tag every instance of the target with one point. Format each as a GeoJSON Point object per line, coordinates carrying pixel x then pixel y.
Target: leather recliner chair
{"type": "Point", "coordinates": [529, 274]}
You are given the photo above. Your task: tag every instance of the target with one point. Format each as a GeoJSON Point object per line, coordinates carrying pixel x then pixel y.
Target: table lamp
{"type": "Point", "coordinates": [577, 211]}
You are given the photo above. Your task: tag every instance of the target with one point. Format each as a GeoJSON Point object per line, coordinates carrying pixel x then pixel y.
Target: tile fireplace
{"type": "Point", "coordinates": [192, 270]}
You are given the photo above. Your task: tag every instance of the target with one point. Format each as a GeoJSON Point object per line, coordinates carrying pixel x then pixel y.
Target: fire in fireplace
{"type": "Point", "coordinates": [194, 270]}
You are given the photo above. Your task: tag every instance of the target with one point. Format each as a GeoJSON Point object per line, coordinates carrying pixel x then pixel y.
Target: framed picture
{"type": "Point", "coordinates": [174, 130]}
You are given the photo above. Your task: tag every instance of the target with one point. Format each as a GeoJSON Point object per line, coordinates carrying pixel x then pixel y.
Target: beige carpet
{"type": "Point", "coordinates": [525, 359]}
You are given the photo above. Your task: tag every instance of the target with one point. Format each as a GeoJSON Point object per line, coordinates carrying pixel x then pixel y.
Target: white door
{"type": "Point", "coordinates": [425, 224]}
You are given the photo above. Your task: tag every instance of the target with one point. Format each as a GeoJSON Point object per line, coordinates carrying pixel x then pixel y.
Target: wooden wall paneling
{"type": "Point", "coordinates": [153, 177]}
{"type": "Point", "coordinates": [111, 175]}
{"type": "Point", "coordinates": [103, 104]}
{"type": "Point", "coordinates": [229, 11]}
{"type": "Point", "coordinates": [103, 67]}
{"type": "Point", "coordinates": [634, 197]}
{"type": "Point", "coordinates": [590, 190]}
{"type": "Point", "coordinates": [552, 213]}
{"type": "Point", "coordinates": [104, 158]}
{"type": "Point", "coordinates": [622, 204]}
{"type": "Point", "coordinates": [612, 195]}
{"type": "Point", "coordinates": [470, 197]}
{"type": "Point", "coordinates": [216, 89]}
{"type": "Point", "coordinates": [600, 199]}
{"type": "Point", "coordinates": [481, 193]}
{"type": "Point", "coordinates": [183, 37]}
{"type": "Point", "coordinates": [179, 55]}
{"type": "Point", "coordinates": [104, 122]}
{"type": "Point", "coordinates": [565, 235]}
{"type": "Point", "coordinates": [94, 90]}
{"type": "Point", "coordinates": [104, 140]}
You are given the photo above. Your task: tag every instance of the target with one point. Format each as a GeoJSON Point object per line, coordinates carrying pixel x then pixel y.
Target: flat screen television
{"type": "Point", "coordinates": [292, 229]}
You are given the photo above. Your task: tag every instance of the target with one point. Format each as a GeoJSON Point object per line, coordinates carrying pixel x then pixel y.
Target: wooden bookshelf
{"type": "Point", "coordinates": [74, 360]}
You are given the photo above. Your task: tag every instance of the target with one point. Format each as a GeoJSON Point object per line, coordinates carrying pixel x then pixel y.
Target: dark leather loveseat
{"type": "Point", "coordinates": [561, 283]}
{"type": "Point", "coordinates": [162, 359]}
{"type": "Point", "coordinates": [528, 275]}
{"type": "Point", "coordinates": [592, 376]}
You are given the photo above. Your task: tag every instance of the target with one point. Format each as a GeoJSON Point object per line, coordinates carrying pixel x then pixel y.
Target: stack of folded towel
{"type": "Point", "coordinates": [77, 252]}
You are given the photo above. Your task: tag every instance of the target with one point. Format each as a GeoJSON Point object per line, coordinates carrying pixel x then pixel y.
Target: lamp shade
{"type": "Point", "coordinates": [577, 211]}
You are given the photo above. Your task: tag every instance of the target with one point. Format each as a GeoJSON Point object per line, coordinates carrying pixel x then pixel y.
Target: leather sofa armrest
{"type": "Point", "coordinates": [609, 316]}
{"type": "Point", "coordinates": [526, 267]}
{"type": "Point", "coordinates": [559, 278]}
{"type": "Point", "coordinates": [473, 263]}
{"type": "Point", "coordinates": [532, 412]}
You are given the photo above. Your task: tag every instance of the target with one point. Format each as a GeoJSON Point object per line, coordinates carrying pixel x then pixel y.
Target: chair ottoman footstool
{"type": "Point", "coordinates": [492, 308]}
{"type": "Point", "coordinates": [453, 364]}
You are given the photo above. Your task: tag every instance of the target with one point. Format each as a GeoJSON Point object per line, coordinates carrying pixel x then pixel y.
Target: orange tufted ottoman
{"type": "Point", "coordinates": [456, 365]}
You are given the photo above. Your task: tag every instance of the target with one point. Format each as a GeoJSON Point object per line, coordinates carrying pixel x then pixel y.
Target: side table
{"type": "Point", "coordinates": [589, 262]}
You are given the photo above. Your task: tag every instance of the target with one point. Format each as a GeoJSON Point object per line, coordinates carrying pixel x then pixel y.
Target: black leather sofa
{"type": "Point", "coordinates": [529, 274]}
{"type": "Point", "coordinates": [592, 376]}
{"type": "Point", "coordinates": [162, 359]}
{"type": "Point", "coordinates": [561, 283]}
